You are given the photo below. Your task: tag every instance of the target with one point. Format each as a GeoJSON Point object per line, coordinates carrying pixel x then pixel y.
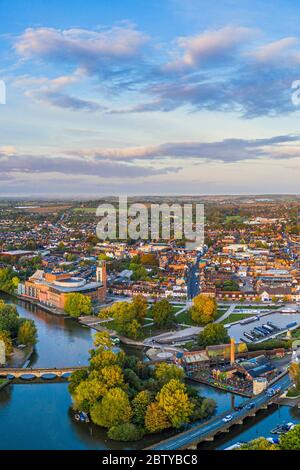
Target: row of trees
{"type": "Point", "coordinates": [128, 317]}
{"type": "Point", "coordinates": [129, 398]}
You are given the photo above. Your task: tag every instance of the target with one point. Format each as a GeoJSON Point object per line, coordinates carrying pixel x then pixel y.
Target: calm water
{"type": "Point", "coordinates": [38, 416]}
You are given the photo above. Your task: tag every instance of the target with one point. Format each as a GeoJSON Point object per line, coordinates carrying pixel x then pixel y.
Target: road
{"type": "Point", "coordinates": [198, 433]}
{"type": "Point", "coordinates": [193, 280]}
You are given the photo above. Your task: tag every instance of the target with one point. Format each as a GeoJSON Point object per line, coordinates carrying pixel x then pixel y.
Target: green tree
{"type": "Point", "coordinates": [105, 357]}
{"type": "Point", "coordinates": [259, 444]}
{"type": "Point", "coordinates": [126, 432]}
{"type": "Point", "coordinates": [113, 409]}
{"type": "Point", "coordinates": [112, 376]}
{"type": "Point", "coordinates": [8, 281]}
{"type": "Point", "coordinates": [124, 319]}
{"type": "Point", "coordinates": [87, 393]}
{"type": "Point", "coordinates": [5, 337]}
{"type": "Point", "coordinates": [294, 371]}
{"type": "Point", "coordinates": [174, 401]}
{"type": "Point", "coordinates": [27, 333]}
{"type": "Point", "coordinates": [214, 333]}
{"type": "Point", "coordinates": [204, 309]}
{"type": "Point", "coordinates": [166, 372]}
{"type": "Point", "coordinates": [78, 304]}
{"type": "Point", "coordinates": [76, 378]}
{"type": "Point", "coordinates": [103, 340]}
{"type": "Point", "coordinates": [290, 440]}
{"type": "Point", "coordinates": [9, 319]}
{"type": "Point", "coordinates": [139, 308]}
{"type": "Point", "coordinates": [162, 313]}
{"type": "Point", "coordinates": [140, 404]}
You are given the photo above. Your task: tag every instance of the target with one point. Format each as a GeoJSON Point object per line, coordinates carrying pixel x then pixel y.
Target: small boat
{"type": "Point", "coordinates": [283, 428]}
{"type": "Point", "coordinates": [82, 416]}
{"type": "Point", "coordinates": [237, 445]}
{"type": "Point", "coordinates": [273, 440]}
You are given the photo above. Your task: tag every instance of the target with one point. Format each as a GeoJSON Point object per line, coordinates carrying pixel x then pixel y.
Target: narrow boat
{"type": "Point", "coordinates": [283, 428]}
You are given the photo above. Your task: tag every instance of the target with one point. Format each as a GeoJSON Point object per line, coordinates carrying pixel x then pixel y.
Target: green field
{"type": "Point", "coordinates": [235, 317]}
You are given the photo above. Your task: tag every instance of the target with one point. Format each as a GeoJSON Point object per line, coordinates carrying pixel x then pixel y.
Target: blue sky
{"type": "Point", "coordinates": [160, 97]}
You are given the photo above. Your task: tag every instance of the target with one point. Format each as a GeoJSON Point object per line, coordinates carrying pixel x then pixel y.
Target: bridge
{"type": "Point", "coordinates": [206, 432]}
{"type": "Point", "coordinates": [38, 373]}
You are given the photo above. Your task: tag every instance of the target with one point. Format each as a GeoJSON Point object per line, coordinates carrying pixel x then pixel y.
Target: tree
{"type": "Point", "coordinates": [9, 319]}
{"type": "Point", "coordinates": [124, 319]}
{"type": "Point", "coordinates": [133, 329]}
{"type": "Point", "coordinates": [133, 380]}
{"type": "Point", "coordinates": [105, 357]}
{"type": "Point", "coordinates": [214, 333]}
{"type": "Point", "coordinates": [8, 281]}
{"type": "Point", "coordinates": [5, 337]}
{"type": "Point", "coordinates": [258, 444]}
{"type": "Point", "coordinates": [27, 333]}
{"type": "Point", "coordinates": [156, 419]}
{"type": "Point", "coordinates": [126, 432]}
{"type": "Point", "coordinates": [207, 408]}
{"type": "Point", "coordinates": [102, 339]}
{"type": "Point", "coordinates": [112, 376]}
{"type": "Point", "coordinates": [76, 378]}
{"type": "Point", "coordinates": [166, 372]}
{"type": "Point", "coordinates": [294, 371]}
{"type": "Point", "coordinates": [174, 401]}
{"type": "Point", "coordinates": [113, 409]}
{"type": "Point", "coordinates": [78, 304]}
{"type": "Point", "coordinates": [203, 310]}
{"type": "Point", "coordinates": [162, 313]}
{"type": "Point", "coordinates": [290, 440]}
{"type": "Point", "coordinates": [139, 308]}
{"type": "Point", "coordinates": [87, 393]}
{"type": "Point", "coordinates": [140, 404]}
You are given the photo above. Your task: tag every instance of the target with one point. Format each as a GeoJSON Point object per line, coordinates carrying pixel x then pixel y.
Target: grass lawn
{"type": "Point", "coordinates": [293, 392]}
{"type": "Point", "coordinates": [146, 330]}
{"type": "Point", "coordinates": [235, 317]}
{"type": "Point", "coordinates": [220, 313]}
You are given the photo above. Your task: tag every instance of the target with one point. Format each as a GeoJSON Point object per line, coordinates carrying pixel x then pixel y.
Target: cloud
{"type": "Point", "coordinates": [273, 51]}
{"type": "Point", "coordinates": [90, 50]}
{"type": "Point", "coordinates": [63, 100]}
{"type": "Point", "coordinates": [227, 151]}
{"type": "Point", "coordinates": [210, 46]}
{"type": "Point", "coordinates": [215, 70]}
{"type": "Point", "coordinates": [74, 165]}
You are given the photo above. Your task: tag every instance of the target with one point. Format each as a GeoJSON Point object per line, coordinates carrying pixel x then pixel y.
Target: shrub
{"type": "Point", "coordinates": [126, 432]}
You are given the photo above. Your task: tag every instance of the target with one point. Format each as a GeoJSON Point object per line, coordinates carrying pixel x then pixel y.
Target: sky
{"type": "Point", "coordinates": [114, 97]}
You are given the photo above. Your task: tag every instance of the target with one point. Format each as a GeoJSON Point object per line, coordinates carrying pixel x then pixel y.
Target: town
{"type": "Point", "coordinates": [227, 314]}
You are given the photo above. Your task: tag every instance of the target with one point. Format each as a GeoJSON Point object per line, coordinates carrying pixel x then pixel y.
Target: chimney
{"type": "Point", "coordinates": [232, 351]}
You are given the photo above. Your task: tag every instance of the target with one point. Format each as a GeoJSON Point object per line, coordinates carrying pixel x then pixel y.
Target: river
{"type": "Point", "coordinates": [38, 416]}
